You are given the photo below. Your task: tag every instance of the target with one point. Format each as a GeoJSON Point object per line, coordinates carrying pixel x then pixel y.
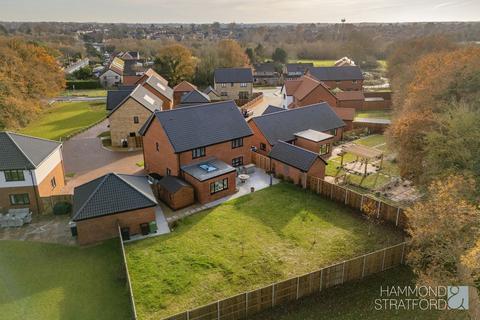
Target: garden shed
{"type": "Point", "coordinates": [175, 192]}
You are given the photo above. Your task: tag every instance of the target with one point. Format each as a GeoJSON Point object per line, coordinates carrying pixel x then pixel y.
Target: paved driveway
{"type": "Point", "coordinates": [271, 96]}
{"type": "Point", "coordinates": [85, 156]}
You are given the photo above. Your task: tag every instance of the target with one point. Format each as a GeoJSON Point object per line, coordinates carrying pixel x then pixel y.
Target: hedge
{"type": "Point", "coordinates": [83, 84]}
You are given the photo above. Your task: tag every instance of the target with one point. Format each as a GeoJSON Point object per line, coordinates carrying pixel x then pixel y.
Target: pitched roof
{"type": "Point", "coordinates": [346, 114]}
{"type": "Point", "coordinates": [150, 72]}
{"type": "Point", "coordinates": [158, 85]}
{"type": "Point", "coordinates": [283, 125]}
{"type": "Point", "coordinates": [184, 86]}
{"type": "Point", "coordinates": [336, 73]}
{"type": "Point", "coordinates": [350, 95]}
{"type": "Point", "coordinates": [235, 75]}
{"type": "Point", "coordinates": [110, 194]}
{"type": "Point", "coordinates": [195, 97]}
{"type": "Point", "coordinates": [307, 85]}
{"type": "Point", "coordinates": [24, 152]}
{"type": "Point", "coordinates": [173, 184]}
{"type": "Point", "coordinates": [115, 97]}
{"type": "Point", "coordinates": [272, 109]}
{"type": "Point", "coordinates": [265, 67]}
{"type": "Point", "coordinates": [133, 68]}
{"type": "Point", "coordinates": [298, 67]}
{"type": "Point", "coordinates": [144, 97]}
{"type": "Point", "coordinates": [294, 156]}
{"type": "Point", "coordinates": [201, 125]}
{"type": "Point", "coordinates": [291, 86]}
{"type": "Point", "coordinates": [209, 90]}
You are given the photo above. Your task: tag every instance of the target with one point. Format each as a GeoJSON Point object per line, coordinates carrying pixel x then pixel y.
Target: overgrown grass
{"type": "Point", "coordinates": [65, 118]}
{"type": "Point", "coordinates": [248, 242]}
{"type": "Point", "coordinates": [372, 140]}
{"type": "Point", "coordinates": [356, 300]}
{"type": "Point", "coordinates": [48, 281]}
{"type": "Point", "coordinates": [85, 93]}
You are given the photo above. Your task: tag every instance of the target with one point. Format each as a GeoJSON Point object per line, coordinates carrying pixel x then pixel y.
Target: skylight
{"type": "Point", "coordinates": [208, 167]}
{"type": "Point", "coordinates": [161, 86]}
{"type": "Point", "coordinates": [149, 99]}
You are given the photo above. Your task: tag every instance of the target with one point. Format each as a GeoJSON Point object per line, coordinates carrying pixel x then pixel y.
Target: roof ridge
{"type": "Point", "coordinates": [132, 186]}
{"type": "Point", "coordinates": [20, 149]}
{"type": "Point", "coordinates": [92, 194]}
{"type": "Point", "coordinates": [288, 110]}
{"type": "Point", "coordinates": [196, 106]}
{"type": "Point", "coordinates": [31, 137]}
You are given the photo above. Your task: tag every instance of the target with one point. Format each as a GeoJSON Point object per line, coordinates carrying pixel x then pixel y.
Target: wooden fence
{"type": "Point", "coordinates": [127, 275]}
{"type": "Point", "coordinates": [249, 303]}
{"type": "Point", "coordinates": [350, 198]}
{"type": "Point", "coordinates": [261, 161]}
{"type": "Point", "coordinates": [47, 203]}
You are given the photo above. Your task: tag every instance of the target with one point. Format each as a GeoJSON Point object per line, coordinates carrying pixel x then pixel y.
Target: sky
{"type": "Point", "coordinates": [239, 11]}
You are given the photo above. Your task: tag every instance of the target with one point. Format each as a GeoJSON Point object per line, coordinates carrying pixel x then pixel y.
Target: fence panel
{"type": "Point", "coordinates": [180, 316]}
{"type": "Point", "coordinates": [47, 203]}
{"type": "Point", "coordinates": [373, 263]}
{"type": "Point", "coordinates": [208, 312]}
{"type": "Point", "coordinates": [393, 256]}
{"type": "Point", "coordinates": [261, 161]}
{"type": "Point", "coordinates": [259, 300]}
{"type": "Point", "coordinates": [285, 291]}
{"type": "Point", "coordinates": [354, 269]}
{"type": "Point", "coordinates": [127, 274]}
{"type": "Point", "coordinates": [333, 275]}
{"type": "Point", "coordinates": [234, 308]}
{"type": "Point", "coordinates": [309, 284]}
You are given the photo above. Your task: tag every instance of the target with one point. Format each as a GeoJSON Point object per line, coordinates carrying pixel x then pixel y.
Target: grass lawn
{"type": "Point", "coordinates": [354, 301]}
{"type": "Point", "coordinates": [85, 93]}
{"type": "Point", "coordinates": [375, 114]}
{"type": "Point", "coordinates": [65, 118]}
{"type": "Point", "coordinates": [316, 63]}
{"type": "Point", "coordinates": [245, 243]}
{"type": "Point", "coordinates": [372, 140]}
{"type": "Point", "coordinates": [49, 281]}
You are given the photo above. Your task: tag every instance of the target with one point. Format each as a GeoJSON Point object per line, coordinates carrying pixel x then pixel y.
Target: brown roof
{"type": "Point", "coordinates": [307, 85]}
{"type": "Point", "coordinates": [350, 95]}
{"type": "Point", "coordinates": [150, 72]}
{"type": "Point", "coordinates": [291, 86]}
{"type": "Point", "coordinates": [347, 114]}
{"type": "Point", "coordinates": [184, 86]}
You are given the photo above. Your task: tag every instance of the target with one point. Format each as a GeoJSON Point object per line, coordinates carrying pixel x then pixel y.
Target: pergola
{"type": "Point", "coordinates": [364, 152]}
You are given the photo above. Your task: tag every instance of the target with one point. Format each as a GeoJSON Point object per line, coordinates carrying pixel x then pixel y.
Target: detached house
{"type": "Point", "coordinates": [180, 90]}
{"type": "Point", "coordinates": [113, 75]}
{"type": "Point", "coordinates": [129, 115]}
{"type": "Point", "coordinates": [234, 83]}
{"type": "Point", "coordinates": [347, 78]}
{"type": "Point", "coordinates": [201, 144]}
{"type": "Point", "coordinates": [266, 74]}
{"type": "Point", "coordinates": [212, 94]}
{"type": "Point", "coordinates": [30, 168]}
{"type": "Point", "coordinates": [195, 97]}
{"type": "Point", "coordinates": [150, 72]}
{"type": "Point", "coordinates": [313, 127]}
{"type": "Point", "coordinates": [160, 90]}
{"type": "Point", "coordinates": [305, 91]}
{"type": "Point", "coordinates": [296, 70]}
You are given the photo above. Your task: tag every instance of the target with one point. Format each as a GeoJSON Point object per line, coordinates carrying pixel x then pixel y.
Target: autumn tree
{"type": "Point", "coordinates": [440, 80]}
{"type": "Point", "coordinates": [445, 232]}
{"type": "Point", "coordinates": [231, 54]}
{"type": "Point", "coordinates": [28, 74]}
{"type": "Point", "coordinates": [176, 63]}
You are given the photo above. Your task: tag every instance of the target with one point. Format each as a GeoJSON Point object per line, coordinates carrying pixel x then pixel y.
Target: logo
{"type": "Point", "coordinates": [457, 297]}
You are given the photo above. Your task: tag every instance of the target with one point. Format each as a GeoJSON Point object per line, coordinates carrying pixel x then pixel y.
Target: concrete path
{"type": "Point", "coordinates": [85, 156]}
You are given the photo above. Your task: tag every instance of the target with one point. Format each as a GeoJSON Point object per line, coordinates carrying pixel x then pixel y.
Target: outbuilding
{"type": "Point", "coordinates": [175, 192]}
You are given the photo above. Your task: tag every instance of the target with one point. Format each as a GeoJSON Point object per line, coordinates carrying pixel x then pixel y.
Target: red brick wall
{"type": "Point", "coordinates": [346, 85]}
{"type": "Point", "coordinates": [317, 169]}
{"type": "Point", "coordinates": [5, 198]}
{"type": "Point", "coordinates": [222, 151]}
{"type": "Point", "coordinates": [356, 104]}
{"type": "Point", "coordinates": [313, 146]}
{"type": "Point", "coordinates": [103, 228]}
{"type": "Point", "coordinates": [319, 94]}
{"type": "Point", "coordinates": [258, 138]}
{"type": "Point", "coordinates": [159, 161]}
{"type": "Point", "coordinates": [202, 189]}
{"type": "Point", "coordinates": [130, 80]}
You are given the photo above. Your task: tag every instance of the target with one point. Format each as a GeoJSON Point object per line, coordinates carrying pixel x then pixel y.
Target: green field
{"type": "Point", "coordinates": [85, 93]}
{"type": "Point", "coordinates": [63, 119]}
{"type": "Point", "coordinates": [375, 114]}
{"type": "Point", "coordinates": [49, 281]}
{"type": "Point", "coordinates": [353, 301]}
{"type": "Point", "coordinates": [245, 243]}
{"type": "Point", "coordinates": [316, 63]}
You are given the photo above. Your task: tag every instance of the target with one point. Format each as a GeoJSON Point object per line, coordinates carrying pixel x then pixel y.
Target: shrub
{"type": "Point", "coordinates": [280, 176]}
{"type": "Point", "coordinates": [61, 208]}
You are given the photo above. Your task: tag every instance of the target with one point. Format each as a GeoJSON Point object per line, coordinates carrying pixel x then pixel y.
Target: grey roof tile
{"type": "Point", "coordinates": [336, 73]}
{"type": "Point", "coordinates": [173, 184]}
{"type": "Point", "coordinates": [194, 97]}
{"type": "Point", "coordinates": [202, 125]}
{"type": "Point", "coordinates": [283, 125]}
{"type": "Point", "coordinates": [114, 97]}
{"type": "Point", "coordinates": [145, 98]}
{"type": "Point", "coordinates": [159, 85]}
{"type": "Point", "coordinates": [235, 75]}
{"type": "Point", "coordinates": [293, 155]}
{"type": "Point", "coordinates": [24, 152]}
{"type": "Point", "coordinates": [111, 194]}
{"type": "Point", "coordinates": [272, 109]}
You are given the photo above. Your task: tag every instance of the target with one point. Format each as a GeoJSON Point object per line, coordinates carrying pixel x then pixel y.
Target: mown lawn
{"type": "Point", "coordinates": [372, 140]}
{"type": "Point", "coordinates": [353, 301]}
{"type": "Point", "coordinates": [375, 114]}
{"type": "Point", "coordinates": [49, 281]}
{"type": "Point", "coordinates": [85, 93]}
{"type": "Point", "coordinates": [248, 242]}
{"type": "Point", "coordinates": [316, 63]}
{"type": "Point", "coordinates": [65, 118]}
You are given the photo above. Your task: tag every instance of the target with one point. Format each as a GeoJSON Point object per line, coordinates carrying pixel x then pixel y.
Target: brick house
{"type": "Point", "coordinates": [150, 72]}
{"type": "Point", "coordinates": [30, 168]}
{"type": "Point", "coordinates": [346, 78]}
{"type": "Point", "coordinates": [234, 83]}
{"type": "Point", "coordinates": [180, 90]}
{"type": "Point", "coordinates": [102, 204]}
{"type": "Point", "coordinates": [160, 90]}
{"type": "Point", "coordinates": [195, 97]}
{"type": "Point", "coordinates": [129, 116]}
{"type": "Point", "coordinates": [266, 74]}
{"type": "Point", "coordinates": [296, 163]}
{"type": "Point", "coordinates": [133, 70]}
{"type": "Point", "coordinates": [296, 70]}
{"type": "Point", "coordinates": [200, 144]}
{"type": "Point", "coordinates": [313, 127]}
{"type": "Point", "coordinates": [350, 99]}
{"type": "Point", "coordinates": [305, 91]}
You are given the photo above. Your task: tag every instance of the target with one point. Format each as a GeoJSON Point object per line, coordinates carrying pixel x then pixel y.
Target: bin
{"type": "Point", "coordinates": [125, 233]}
{"type": "Point", "coordinates": [153, 226]}
{"type": "Point", "coordinates": [144, 229]}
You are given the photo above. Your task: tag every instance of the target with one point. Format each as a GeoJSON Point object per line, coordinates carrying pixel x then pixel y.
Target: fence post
{"type": "Point", "coordinates": [378, 209]}
{"type": "Point", "coordinates": [246, 305]}
{"type": "Point", "coordinates": [318, 185]}
{"type": "Point", "coordinates": [364, 262]}
{"type": "Point", "coordinates": [321, 280]}
{"type": "Point", "coordinates": [298, 286]}
{"type": "Point", "coordinates": [398, 213]}
{"type": "Point", "coordinates": [331, 190]}
{"type": "Point", "coordinates": [218, 309]}
{"type": "Point", "coordinates": [346, 196]}
{"type": "Point", "coordinates": [188, 315]}
{"type": "Point", "coordinates": [403, 251]}
{"type": "Point", "coordinates": [343, 272]}
{"type": "Point", "coordinates": [361, 203]}
{"type": "Point", "coordinates": [273, 294]}
{"type": "Point", "coordinates": [383, 261]}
